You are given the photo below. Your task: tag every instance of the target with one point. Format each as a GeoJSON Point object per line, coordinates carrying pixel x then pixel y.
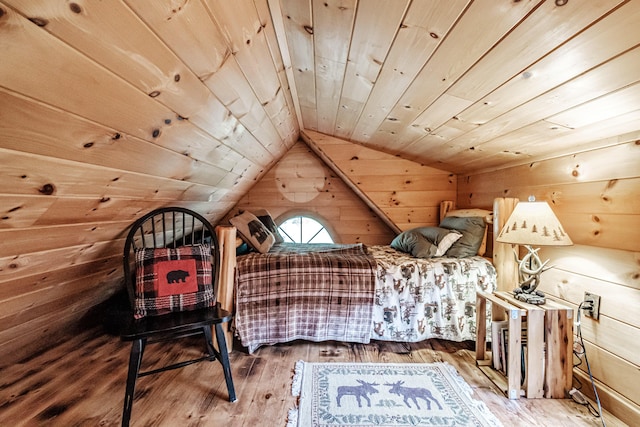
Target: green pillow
{"type": "Point", "coordinates": [421, 242]}
{"type": "Point", "coordinates": [472, 229]}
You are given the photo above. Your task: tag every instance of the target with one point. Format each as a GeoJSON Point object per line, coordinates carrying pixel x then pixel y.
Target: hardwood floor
{"type": "Point", "coordinates": [81, 383]}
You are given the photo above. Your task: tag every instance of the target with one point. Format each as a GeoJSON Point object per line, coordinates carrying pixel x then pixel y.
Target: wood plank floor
{"type": "Point", "coordinates": [81, 383]}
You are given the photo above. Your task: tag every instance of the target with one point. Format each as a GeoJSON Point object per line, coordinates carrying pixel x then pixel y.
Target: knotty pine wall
{"type": "Point", "coordinates": [596, 196]}
{"type": "Point", "coordinates": [407, 194]}
{"type": "Point", "coordinates": [301, 183]}
{"type": "Point", "coordinates": [319, 176]}
{"type": "Point", "coordinates": [107, 111]}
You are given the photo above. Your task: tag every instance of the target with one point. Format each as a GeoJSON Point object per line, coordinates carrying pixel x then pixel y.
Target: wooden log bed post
{"type": "Point", "coordinates": [503, 258]}
{"type": "Point", "coordinates": [227, 241]}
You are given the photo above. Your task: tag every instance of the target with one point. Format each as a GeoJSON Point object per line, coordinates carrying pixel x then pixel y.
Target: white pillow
{"type": "Point", "coordinates": [447, 241]}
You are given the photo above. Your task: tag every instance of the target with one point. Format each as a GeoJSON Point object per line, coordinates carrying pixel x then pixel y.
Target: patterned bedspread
{"type": "Point", "coordinates": [417, 299]}
{"type": "Point", "coordinates": [354, 293]}
{"type": "Point", "coordinates": [312, 292]}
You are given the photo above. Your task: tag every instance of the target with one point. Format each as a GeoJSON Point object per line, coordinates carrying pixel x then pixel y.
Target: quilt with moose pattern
{"type": "Point", "coordinates": [417, 298]}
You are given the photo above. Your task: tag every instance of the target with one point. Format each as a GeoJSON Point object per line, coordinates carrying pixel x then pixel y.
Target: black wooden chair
{"type": "Point", "coordinates": [172, 227]}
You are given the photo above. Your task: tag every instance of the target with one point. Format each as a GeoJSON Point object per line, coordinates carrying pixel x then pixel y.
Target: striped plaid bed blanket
{"type": "Point", "coordinates": [314, 292]}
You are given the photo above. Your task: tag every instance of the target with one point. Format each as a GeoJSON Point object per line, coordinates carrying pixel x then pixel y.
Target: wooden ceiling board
{"type": "Point", "coordinates": [194, 18]}
{"type": "Point", "coordinates": [565, 63]}
{"type": "Point", "coordinates": [189, 31]}
{"type": "Point", "coordinates": [41, 66]}
{"type": "Point", "coordinates": [545, 140]}
{"type": "Point", "coordinates": [477, 96]}
{"type": "Point", "coordinates": [241, 23]}
{"type": "Point", "coordinates": [431, 119]}
{"type": "Point", "coordinates": [298, 27]}
{"type": "Point", "coordinates": [272, 20]}
{"type": "Point", "coordinates": [238, 97]}
{"type": "Point", "coordinates": [610, 76]}
{"type": "Point", "coordinates": [599, 43]}
{"type": "Point", "coordinates": [27, 240]}
{"type": "Point", "coordinates": [422, 30]}
{"type": "Point", "coordinates": [465, 44]}
{"type": "Point", "coordinates": [526, 41]}
{"type": "Point", "coordinates": [367, 53]}
{"type": "Point", "coordinates": [605, 107]}
{"type": "Point", "coordinates": [547, 27]}
{"type": "Point", "coordinates": [333, 24]}
{"type": "Point", "coordinates": [44, 175]}
{"type": "Point", "coordinates": [112, 35]}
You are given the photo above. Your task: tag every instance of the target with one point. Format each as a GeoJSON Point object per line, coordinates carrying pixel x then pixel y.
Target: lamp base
{"type": "Point", "coordinates": [530, 267]}
{"type": "Point", "coordinates": [534, 297]}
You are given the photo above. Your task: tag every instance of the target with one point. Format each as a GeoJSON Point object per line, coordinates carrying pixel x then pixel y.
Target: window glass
{"type": "Point", "coordinates": [302, 229]}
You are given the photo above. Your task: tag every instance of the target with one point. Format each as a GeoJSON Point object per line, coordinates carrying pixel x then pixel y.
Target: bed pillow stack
{"type": "Point", "coordinates": [472, 223]}
{"type": "Point", "coordinates": [425, 242]}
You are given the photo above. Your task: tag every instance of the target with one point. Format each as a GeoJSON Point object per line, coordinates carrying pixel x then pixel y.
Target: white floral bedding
{"type": "Point", "coordinates": [417, 299]}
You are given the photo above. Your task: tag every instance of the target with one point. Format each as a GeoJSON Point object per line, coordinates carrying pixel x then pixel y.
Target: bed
{"type": "Point", "coordinates": [357, 293]}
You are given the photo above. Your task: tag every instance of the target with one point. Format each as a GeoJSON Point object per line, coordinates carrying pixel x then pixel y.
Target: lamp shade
{"type": "Point", "coordinates": [535, 224]}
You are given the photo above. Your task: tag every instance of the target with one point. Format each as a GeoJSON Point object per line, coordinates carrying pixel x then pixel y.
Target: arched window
{"type": "Point", "coordinates": [303, 229]}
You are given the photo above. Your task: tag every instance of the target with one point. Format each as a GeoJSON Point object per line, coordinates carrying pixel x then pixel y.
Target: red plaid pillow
{"type": "Point", "coordinates": [169, 280]}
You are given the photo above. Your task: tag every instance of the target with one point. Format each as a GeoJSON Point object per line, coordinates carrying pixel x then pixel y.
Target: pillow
{"type": "Point", "coordinates": [473, 231]}
{"type": "Point", "coordinates": [265, 217]}
{"type": "Point", "coordinates": [414, 243]}
{"type": "Point", "coordinates": [172, 279]}
{"type": "Point", "coordinates": [447, 241]}
{"type": "Point", "coordinates": [253, 231]}
{"type": "Point", "coordinates": [484, 213]}
{"type": "Point", "coordinates": [425, 242]}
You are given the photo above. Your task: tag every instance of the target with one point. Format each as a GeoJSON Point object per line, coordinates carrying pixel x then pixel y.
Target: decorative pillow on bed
{"type": "Point", "coordinates": [169, 280]}
{"type": "Point", "coordinates": [265, 217]}
{"type": "Point", "coordinates": [487, 215]}
{"type": "Point", "coordinates": [473, 232]}
{"type": "Point", "coordinates": [253, 231]}
{"type": "Point", "coordinates": [425, 242]}
{"type": "Point", "coordinates": [448, 241]}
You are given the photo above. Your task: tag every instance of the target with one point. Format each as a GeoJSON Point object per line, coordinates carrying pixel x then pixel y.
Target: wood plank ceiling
{"type": "Point", "coordinates": [466, 85]}
{"type": "Point", "coordinates": [195, 100]}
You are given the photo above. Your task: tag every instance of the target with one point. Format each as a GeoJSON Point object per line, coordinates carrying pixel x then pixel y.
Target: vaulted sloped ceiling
{"type": "Point", "coordinates": [192, 101]}
{"type": "Point", "coordinates": [466, 85]}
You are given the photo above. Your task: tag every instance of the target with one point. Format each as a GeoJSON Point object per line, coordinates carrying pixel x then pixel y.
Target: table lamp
{"type": "Point", "coordinates": [532, 224]}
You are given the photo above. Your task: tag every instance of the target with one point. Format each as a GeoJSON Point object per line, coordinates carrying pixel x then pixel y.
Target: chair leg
{"type": "Point", "coordinates": [224, 359]}
{"type": "Point", "coordinates": [208, 339]}
{"type": "Point", "coordinates": [135, 360]}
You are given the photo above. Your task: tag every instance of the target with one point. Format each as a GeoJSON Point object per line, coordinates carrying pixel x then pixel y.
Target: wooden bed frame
{"type": "Point", "coordinates": [502, 255]}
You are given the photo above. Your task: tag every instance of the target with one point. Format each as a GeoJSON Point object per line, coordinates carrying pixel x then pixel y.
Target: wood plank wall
{"type": "Point", "coordinates": [301, 183]}
{"type": "Point", "coordinates": [596, 196]}
{"type": "Point", "coordinates": [406, 192]}
{"type": "Point", "coordinates": [107, 111]}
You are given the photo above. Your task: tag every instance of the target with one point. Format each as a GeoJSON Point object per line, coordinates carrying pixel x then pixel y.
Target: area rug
{"type": "Point", "coordinates": [387, 394]}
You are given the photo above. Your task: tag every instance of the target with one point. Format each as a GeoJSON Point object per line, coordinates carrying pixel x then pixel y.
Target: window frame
{"type": "Point", "coordinates": [311, 215]}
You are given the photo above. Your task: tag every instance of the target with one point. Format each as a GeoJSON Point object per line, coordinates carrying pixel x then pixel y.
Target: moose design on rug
{"type": "Point", "coordinates": [413, 393]}
{"type": "Point", "coordinates": [365, 388]}
{"type": "Point", "coordinates": [384, 394]}
{"type": "Point", "coordinates": [362, 390]}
